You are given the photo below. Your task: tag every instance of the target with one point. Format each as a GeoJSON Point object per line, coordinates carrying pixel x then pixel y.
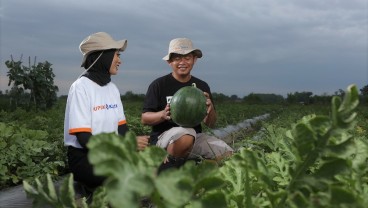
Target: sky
{"type": "Point", "coordinates": [248, 46]}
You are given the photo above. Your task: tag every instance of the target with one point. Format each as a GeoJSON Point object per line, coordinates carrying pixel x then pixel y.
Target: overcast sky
{"type": "Point", "coordinates": [259, 46]}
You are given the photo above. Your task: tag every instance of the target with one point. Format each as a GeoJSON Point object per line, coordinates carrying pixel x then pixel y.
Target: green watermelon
{"type": "Point", "coordinates": [188, 106]}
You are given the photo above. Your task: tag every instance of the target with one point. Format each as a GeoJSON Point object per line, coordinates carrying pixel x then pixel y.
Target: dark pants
{"type": "Point", "coordinates": [82, 169]}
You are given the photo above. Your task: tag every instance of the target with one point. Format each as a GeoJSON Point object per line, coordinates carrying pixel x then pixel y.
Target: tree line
{"type": "Point", "coordinates": [32, 87]}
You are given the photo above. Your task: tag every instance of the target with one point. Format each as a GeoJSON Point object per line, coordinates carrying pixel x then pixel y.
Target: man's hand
{"type": "Point", "coordinates": [211, 117]}
{"type": "Point", "coordinates": [166, 113]}
{"type": "Point", "coordinates": [208, 103]}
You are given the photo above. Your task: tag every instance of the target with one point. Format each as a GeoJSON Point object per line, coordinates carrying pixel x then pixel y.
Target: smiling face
{"type": "Point", "coordinates": [182, 65]}
{"type": "Point", "coordinates": [115, 63]}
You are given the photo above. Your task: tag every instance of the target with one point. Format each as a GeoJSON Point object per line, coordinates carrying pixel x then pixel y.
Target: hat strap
{"type": "Point", "coordinates": [91, 65]}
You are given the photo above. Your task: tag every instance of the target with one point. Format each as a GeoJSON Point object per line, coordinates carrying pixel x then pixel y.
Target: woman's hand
{"type": "Point", "coordinates": [142, 142]}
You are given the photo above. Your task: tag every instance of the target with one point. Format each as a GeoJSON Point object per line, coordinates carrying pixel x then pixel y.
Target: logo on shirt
{"type": "Point", "coordinates": [105, 107]}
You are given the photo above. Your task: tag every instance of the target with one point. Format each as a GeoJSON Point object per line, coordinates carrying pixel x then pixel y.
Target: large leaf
{"type": "Point", "coordinates": [130, 174]}
{"type": "Point", "coordinates": [212, 200]}
{"type": "Point", "coordinates": [175, 188]}
{"type": "Point", "coordinates": [305, 139]}
{"type": "Point", "coordinates": [67, 193]}
{"type": "Point", "coordinates": [330, 168]}
{"type": "Point", "coordinates": [342, 111]}
{"type": "Point", "coordinates": [129, 188]}
{"type": "Point", "coordinates": [341, 197]}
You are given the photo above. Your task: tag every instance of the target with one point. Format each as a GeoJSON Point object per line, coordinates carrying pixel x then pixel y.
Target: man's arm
{"type": "Point", "coordinates": [153, 118]}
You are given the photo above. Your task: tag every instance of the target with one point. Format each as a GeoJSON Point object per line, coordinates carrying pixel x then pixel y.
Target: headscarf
{"type": "Point", "coordinates": [99, 72]}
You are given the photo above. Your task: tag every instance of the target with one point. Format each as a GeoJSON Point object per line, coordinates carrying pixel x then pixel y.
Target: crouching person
{"type": "Point", "coordinates": [179, 142]}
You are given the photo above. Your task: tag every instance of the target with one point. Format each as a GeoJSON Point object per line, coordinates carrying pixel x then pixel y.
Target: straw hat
{"type": "Point", "coordinates": [182, 46]}
{"type": "Point", "coordinates": [98, 42]}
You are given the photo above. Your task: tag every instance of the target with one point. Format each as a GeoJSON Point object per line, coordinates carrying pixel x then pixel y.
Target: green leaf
{"type": "Point", "coordinates": [42, 195]}
{"type": "Point", "coordinates": [5, 130]}
{"type": "Point", "coordinates": [280, 167]}
{"type": "Point", "coordinates": [130, 174]}
{"type": "Point", "coordinates": [172, 182]}
{"type": "Point", "coordinates": [109, 146]}
{"type": "Point", "coordinates": [351, 100]}
{"type": "Point", "coordinates": [67, 193]}
{"type": "Point", "coordinates": [205, 175]}
{"type": "Point", "coordinates": [99, 198]}
{"type": "Point", "coordinates": [329, 169]}
{"type": "Point", "coordinates": [305, 139]}
{"type": "Point", "coordinates": [342, 150]}
{"type": "Point", "coordinates": [298, 199]}
{"type": "Point", "coordinates": [320, 124]}
{"type": "Point", "coordinates": [342, 112]}
{"type": "Point", "coordinates": [50, 189]}
{"type": "Point", "coordinates": [341, 195]}
{"type": "Point", "coordinates": [151, 157]}
{"type": "Point", "coordinates": [212, 200]}
{"type": "Point", "coordinates": [29, 189]}
{"type": "Point", "coordinates": [234, 176]}
{"type": "Point", "coordinates": [361, 156]}
{"type": "Point", "coordinates": [209, 183]}
{"type": "Point", "coordinates": [128, 189]}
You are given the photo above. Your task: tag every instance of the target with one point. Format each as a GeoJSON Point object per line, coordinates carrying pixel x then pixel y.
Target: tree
{"type": "Point", "coordinates": [322, 99]}
{"type": "Point", "coordinates": [234, 97]}
{"type": "Point", "coordinates": [252, 99]}
{"type": "Point", "coordinates": [364, 90]}
{"type": "Point", "coordinates": [364, 94]}
{"type": "Point", "coordinates": [129, 95]}
{"type": "Point", "coordinates": [267, 98]}
{"type": "Point", "coordinates": [219, 97]}
{"type": "Point", "coordinates": [37, 79]}
{"type": "Point", "coordinates": [340, 92]}
{"type": "Point", "coordinates": [299, 97]}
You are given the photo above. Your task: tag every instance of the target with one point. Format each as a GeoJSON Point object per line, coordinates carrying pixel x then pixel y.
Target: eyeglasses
{"type": "Point", "coordinates": [178, 58]}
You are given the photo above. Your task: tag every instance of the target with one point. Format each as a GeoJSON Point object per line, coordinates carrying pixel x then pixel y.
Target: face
{"type": "Point", "coordinates": [115, 63]}
{"type": "Point", "coordinates": [182, 64]}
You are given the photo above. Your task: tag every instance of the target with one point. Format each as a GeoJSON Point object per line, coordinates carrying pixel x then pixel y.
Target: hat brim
{"type": "Point", "coordinates": [197, 52]}
{"type": "Point", "coordinates": [120, 45]}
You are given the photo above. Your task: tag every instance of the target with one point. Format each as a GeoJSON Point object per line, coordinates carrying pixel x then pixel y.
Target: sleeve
{"type": "Point", "coordinates": [83, 138]}
{"type": "Point", "coordinates": [80, 112]}
{"type": "Point", "coordinates": [121, 112]}
{"type": "Point", "coordinates": [151, 103]}
{"type": "Point", "coordinates": [123, 129]}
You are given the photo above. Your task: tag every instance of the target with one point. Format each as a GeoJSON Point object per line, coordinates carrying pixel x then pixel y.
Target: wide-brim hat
{"type": "Point", "coordinates": [182, 46]}
{"type": "Point", "coordinates": [98, 42]}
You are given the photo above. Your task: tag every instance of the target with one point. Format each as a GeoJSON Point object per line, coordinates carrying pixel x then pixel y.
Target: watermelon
{"type": "Point", "coordinates": [188, 106]}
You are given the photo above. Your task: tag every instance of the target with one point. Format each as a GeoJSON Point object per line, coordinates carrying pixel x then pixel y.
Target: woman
{"type": "Point", "coordinates": [94, 105]}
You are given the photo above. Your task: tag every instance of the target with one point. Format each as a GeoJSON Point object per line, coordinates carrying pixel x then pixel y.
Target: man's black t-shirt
{"type": "Point", "coordinates": [159, 94]}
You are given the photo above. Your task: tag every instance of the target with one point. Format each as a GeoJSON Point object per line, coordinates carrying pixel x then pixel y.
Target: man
{"type": "Point", "coordinates": [180, 143]}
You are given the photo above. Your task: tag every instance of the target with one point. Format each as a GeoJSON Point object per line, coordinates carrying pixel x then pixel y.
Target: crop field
{"type": "Point", "coordinates": [299, 156]}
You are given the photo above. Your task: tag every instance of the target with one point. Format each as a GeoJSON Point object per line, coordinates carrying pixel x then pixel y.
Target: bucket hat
{"type": "Point", "coordinates": [98, 42]}
{"type": "Point", "coordinates": [182, 46]}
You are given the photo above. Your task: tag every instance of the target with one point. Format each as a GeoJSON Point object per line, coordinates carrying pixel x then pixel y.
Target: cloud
{"type": "Point", "coordinates": [248, 45]}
